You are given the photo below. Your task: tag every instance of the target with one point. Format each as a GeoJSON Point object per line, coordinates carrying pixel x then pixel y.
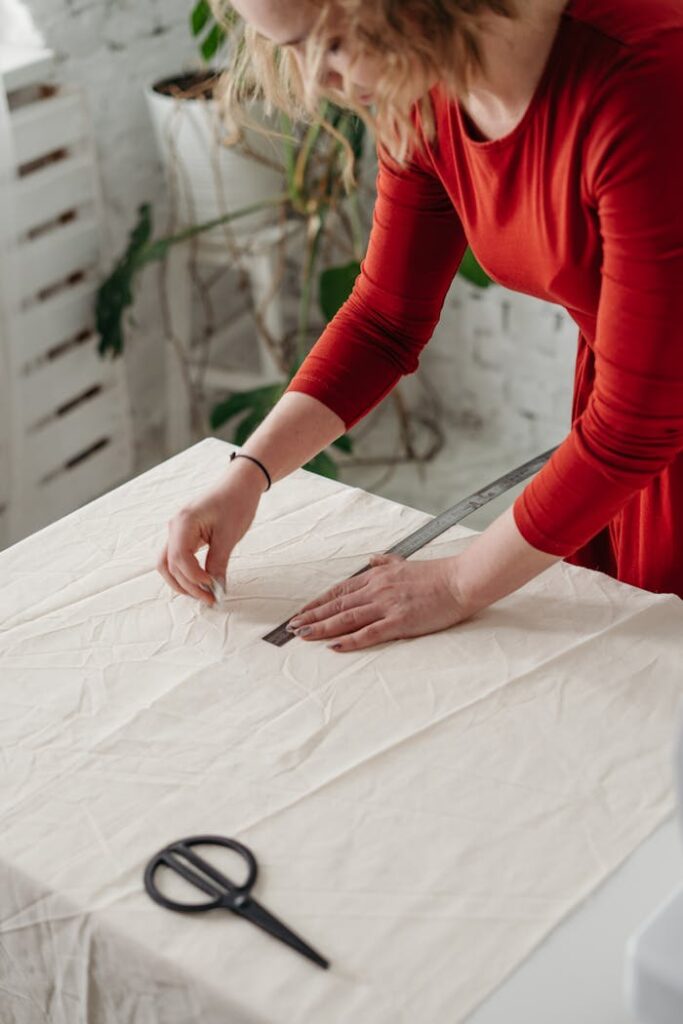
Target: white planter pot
{"type": "Point", "coordinates": [208, 178]}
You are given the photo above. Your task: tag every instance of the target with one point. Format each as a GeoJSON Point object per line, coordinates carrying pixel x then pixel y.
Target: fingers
{"type": "Point", "coordinates": [217, 561]}
{"type": "Point", "coordinates": [195, 589]}
{"type": "Point", "coordinates": [374, 633]}
{"type": "Point", "coordinates": [341, 609]}
{"type": "Point", "coordinates": [332, 600]}
{"type": "Point", "coordinates": [162, 568]}
{"type": "Point", "coordinates": [384, 558]}
{"type": "Point", "coordinates": [218, 519]}
{"type": "Point", "coordinates": [217, 589]}
{"type": "Point", "coordinates": [351, 618]}
{"type": "Point", "coordinates": [184, 575]}
{"type": "Point", "coordinates": [347, 587]}
{"type": "Point", "coordinates": [319, 609]}
{"type": "Point", "coordinates": [329, 624]}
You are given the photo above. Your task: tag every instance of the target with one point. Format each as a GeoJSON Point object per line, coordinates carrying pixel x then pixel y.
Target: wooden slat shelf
{"type": "Point", "coordinates": [65, 430]}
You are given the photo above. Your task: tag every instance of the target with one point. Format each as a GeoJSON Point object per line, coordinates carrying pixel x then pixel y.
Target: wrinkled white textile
{"type": "Point", "coordinates": [423, 812]}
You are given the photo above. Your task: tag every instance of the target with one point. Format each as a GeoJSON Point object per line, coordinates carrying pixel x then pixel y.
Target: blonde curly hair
{"type": "Point", "coordinates": [416, 40]}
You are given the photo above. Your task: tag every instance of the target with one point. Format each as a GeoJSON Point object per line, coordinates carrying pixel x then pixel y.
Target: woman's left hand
{"type": "Point", "coordinates": [392, 600]}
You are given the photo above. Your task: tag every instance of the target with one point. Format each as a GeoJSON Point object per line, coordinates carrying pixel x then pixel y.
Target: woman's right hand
{"type": "Point", "coordinates": [219, 518]}
{"type": "Point", "coordinates": [296, 429]}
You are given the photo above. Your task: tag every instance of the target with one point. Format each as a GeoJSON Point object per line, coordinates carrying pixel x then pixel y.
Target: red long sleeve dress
{"type": "Point", "coordinates": [581, 204]}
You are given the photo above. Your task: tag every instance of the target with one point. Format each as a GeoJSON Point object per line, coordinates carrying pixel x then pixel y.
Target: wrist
{"type": "Point", "coordinates": [255, 462]}
{"type": "Point", "coordinates": [495, 563]}
{"type": "Point", "coordinates": [247, 475]}
{"type": "Point", "coordinates": [465, 596]}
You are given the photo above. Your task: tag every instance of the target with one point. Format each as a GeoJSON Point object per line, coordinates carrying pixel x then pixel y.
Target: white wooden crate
{"type": "Point", "coordinates": [44, 325]}
{"type": "Point", "coordinates": [45, 120]}
{"type": "Point", "coordinates": [52, 258]}
{"type": "Point", "coordinates": [50, 190]}
{"type": "Point", "coordinates": [65, 434]}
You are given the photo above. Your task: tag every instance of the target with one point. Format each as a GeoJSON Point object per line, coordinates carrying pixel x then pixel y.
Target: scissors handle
{"type": "Point", "coordinates": [225, 893]}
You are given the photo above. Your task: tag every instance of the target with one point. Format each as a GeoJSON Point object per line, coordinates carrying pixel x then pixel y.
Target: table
{"type": "Point", "coordinates": [424, 813]}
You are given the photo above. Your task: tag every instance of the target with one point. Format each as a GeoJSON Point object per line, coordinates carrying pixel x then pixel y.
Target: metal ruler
{"type": "Point", "coordinates": [438, 525]}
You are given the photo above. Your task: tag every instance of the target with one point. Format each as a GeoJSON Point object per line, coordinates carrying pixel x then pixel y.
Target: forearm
{"type": "Point", "coordinates": [295, 430]}
{"type": "Point", "coordinates": [496, 563]}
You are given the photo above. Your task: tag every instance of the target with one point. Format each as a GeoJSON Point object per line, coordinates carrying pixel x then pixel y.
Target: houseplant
{"type": "Point", "coordinates": [312, 179]}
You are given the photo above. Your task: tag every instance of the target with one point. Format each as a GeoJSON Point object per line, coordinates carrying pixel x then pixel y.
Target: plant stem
{"type": "Point", "coordinates": [157, 249]}
{"type": "Point", "coordinates": [314, 234]}
{"type": "Point", "coordinates": [303, 158]}
{"type": "Point", "coordinates": [290, 163]}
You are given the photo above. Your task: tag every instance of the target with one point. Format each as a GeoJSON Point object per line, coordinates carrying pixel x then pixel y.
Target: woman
{"type": "Point", "coordinates": [549, 138]}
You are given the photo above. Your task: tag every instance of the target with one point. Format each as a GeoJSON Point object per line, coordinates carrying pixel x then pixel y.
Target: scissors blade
{"type": "Point", "coordinates": [254, 912]}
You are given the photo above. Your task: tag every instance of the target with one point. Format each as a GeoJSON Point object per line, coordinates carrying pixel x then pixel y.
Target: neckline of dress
{"type": "Point", "coordinates": [536, 97]}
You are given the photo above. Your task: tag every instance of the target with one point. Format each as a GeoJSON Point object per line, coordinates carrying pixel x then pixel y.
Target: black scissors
{"type": "Point", "coordinates": [224, 893]}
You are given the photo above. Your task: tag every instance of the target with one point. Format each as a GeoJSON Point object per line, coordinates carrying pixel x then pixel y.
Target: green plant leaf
{"type": "Point", "coordinates": [357, 135]}
{"type": "Point", "coordinates": [323, 465]}
{"type": "Point", "coordinates": [335, 286]}
{"type": "Point", "coordinates": [259, 400]}
{"type": "Point", "coordinates": [200, 16]}
{"type": "Point", "coordinates": [350, 124]}
{"type": "Point", "coordinates": [248, 425]}
{"type": "Point", "coordinates": [470, 269]}
{"type": "Point", "coordinates": [332, 113]}
{"type": "Point", "coordinates": [157, 250]}
{"type": "Point", "coordinates": [213, 42]}
{"type": "Point", "coordinates": [344, 444]}
{"type": "Point", "coordinates": [116, 293]}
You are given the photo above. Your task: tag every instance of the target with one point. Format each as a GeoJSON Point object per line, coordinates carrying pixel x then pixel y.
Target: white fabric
{"type": "Point", "coordinates": [423, 812]}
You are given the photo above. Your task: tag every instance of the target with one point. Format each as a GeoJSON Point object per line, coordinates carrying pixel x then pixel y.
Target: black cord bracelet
{"type": "Point", "coordinates": [243, 455]}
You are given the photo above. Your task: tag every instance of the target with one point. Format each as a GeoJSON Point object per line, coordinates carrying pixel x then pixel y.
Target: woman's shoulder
{"type": "Point", "coordinates": [632, 23]}
{"type": "Point", "coordinates": [625, 57]}
{"type": "Point", "coordinates": [632, 80]}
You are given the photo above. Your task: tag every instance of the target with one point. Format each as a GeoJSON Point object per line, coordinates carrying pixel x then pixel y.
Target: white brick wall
{"type": "Point", "coordinates": [506, 360]}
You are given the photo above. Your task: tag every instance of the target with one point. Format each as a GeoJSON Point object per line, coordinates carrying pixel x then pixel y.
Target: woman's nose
{"type": "Point", "coordinates": [337, 62]}
{"type": "Point", "coordinates": [333, 80]}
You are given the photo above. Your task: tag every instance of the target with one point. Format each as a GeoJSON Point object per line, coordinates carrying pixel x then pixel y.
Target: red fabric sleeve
{"type": "Point", "coordinates": [632, 426]}
{"type": "Point", "coordinates": [415, 247]}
